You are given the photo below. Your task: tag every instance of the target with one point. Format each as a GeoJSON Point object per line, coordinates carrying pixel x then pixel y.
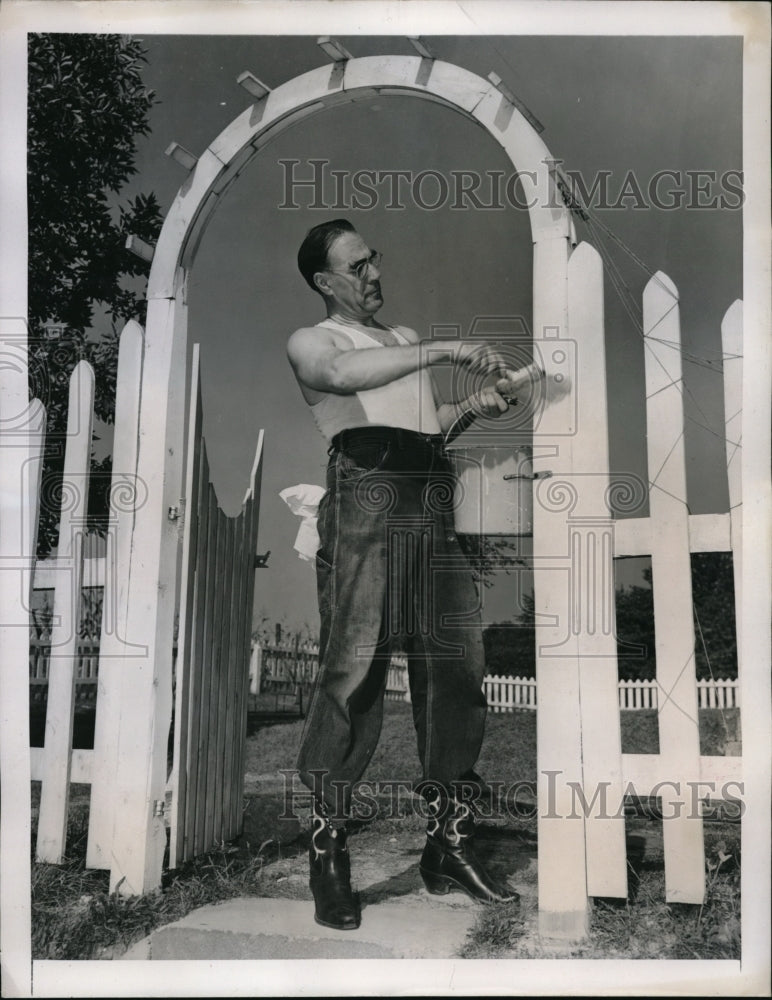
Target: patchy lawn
{"type": "Point", "coordinates": [75, 916]}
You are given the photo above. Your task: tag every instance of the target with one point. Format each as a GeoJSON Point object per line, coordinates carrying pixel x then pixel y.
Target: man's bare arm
{"type": "Point", "coordinates": [321, 363]}
{"type": "Point", "coordinates": [486, 402]}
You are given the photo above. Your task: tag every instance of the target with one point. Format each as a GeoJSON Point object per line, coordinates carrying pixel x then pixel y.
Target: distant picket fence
{"type": "Point", "coordinates": [40, 661]}
{"type": "Point", "coordinates": [277, 663]}
{"type": "Point", "coordinates": [713, 693]}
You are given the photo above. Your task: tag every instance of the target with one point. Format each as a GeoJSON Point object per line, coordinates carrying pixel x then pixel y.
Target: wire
{"type": "Point", "coordinates": [710, 668]}
{"type": "Point", "coordinates": [630, 306]}
{"type": "Point", "coordinates": [592, 220]}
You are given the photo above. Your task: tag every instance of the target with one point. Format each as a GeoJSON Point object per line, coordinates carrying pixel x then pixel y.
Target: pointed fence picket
{"type": "Point", "coordinates": [732, 350]}
{"type": "Point", "coordinates": [125, 492]}
{"type": "Point", "coordinates": [60, 711]}
{"type": "Point", "coordinates": [672, 586]}
{"type": "Point", "coordinates": [22, 437]}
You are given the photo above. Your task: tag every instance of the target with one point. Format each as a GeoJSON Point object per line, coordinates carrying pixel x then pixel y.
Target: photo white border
{"type": "Point", "coordinates": [436, 17]}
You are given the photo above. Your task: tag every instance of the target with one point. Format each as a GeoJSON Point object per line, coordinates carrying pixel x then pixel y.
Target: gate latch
{"type": "Point", "coordinates": [547, 474]}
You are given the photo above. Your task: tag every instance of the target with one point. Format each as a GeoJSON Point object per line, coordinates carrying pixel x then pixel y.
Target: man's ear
{"type": "Point", "coordinates": [321, 282]}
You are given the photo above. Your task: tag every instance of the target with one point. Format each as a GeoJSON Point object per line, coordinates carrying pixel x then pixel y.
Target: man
{"type": "Point", "coordinates": [389, 564]}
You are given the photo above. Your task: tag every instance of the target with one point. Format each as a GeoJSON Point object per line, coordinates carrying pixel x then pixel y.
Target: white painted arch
{"type": "Point", "coordinates": [346, 82]}
{"type": "Point", "coordinates": [150, 578]}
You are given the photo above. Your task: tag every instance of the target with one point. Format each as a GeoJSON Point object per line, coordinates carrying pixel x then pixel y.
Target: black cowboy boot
{"type": "Point", "coordinates": [330, 881]}
{"type": "Point", "coordinates": [449, 861]}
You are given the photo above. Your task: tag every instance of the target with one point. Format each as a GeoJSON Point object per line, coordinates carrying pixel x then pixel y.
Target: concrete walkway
{"type": "Point", "coordinates": [400, 919]}
{"type": "Point", "coordinates": [285, 929]}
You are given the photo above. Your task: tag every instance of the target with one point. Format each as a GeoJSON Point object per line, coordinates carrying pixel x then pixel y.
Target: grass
{"type": "Point", "coordinates": [76, 917]}
{"type": "Point", "coordinates": [643, 927]}
{"type": "Point", "coordinates": [508, 752]}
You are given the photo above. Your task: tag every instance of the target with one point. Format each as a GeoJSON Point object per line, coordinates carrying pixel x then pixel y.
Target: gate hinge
{"type": "Point", "coordinates": [162, 807]}
{"type": "Point", "coordinates": [177, 512]}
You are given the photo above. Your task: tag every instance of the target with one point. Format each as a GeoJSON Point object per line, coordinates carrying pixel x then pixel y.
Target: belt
{"type": "Point", "coordinates": [399, 437]}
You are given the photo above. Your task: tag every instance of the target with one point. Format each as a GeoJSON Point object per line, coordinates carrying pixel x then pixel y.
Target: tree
{"type": "Point", "coordinates": [635, 631]}
{"type": "Point", "coordinates": [87, 105]}
{"type": "Point", "coordinates": [510, 647]}
{"type": "Point", "coordinates": [487, 554]}
{"type": "Point", "coordinates": [714, 621]}
{"type": "Point", "coordinates": [714, 614]}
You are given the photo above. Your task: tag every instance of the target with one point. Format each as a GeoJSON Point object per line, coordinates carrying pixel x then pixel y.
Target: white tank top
{"type": "Point", "coordinates": [406, 402]}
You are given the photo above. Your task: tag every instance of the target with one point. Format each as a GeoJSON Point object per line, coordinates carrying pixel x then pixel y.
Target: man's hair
{"type": "Point", "coordinates": [312, 255]}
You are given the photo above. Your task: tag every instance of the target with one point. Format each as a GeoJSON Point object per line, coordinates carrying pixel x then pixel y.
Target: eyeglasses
{"type": "Point", "coordinates": [360, 269]}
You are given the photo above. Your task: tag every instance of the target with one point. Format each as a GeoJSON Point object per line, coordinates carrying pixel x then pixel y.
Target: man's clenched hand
{"type": "Point", "coordinates": [488, 403]}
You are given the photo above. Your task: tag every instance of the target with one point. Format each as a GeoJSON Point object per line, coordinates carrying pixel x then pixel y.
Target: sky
{"type": "Point", "coordinates": [620, 105]}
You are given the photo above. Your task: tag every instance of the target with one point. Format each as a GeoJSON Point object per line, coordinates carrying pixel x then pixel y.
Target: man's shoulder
{"type": "Point", "coordinates": [309, 332]}
{"type": "Point", "coordinates": [407, 332]}
{"type": "Point", "coordinates": [306, 338]}
{"type": "Point", "coordinates": [304, 331]}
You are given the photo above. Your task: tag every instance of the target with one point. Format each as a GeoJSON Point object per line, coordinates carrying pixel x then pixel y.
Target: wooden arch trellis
{"type": "Point", "coordinates": [576, 666]}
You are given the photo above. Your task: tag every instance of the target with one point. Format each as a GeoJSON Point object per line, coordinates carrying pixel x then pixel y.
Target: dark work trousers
{"type": "Point", "coordinates": [390, 566]}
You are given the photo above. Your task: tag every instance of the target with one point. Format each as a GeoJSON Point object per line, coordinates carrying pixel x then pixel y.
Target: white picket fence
{"type": "Point", "coordinates": [713, 693]}
{"type": "Point", "coordinates": [272, 663]}
{"type": "Point", "coordinates": [133, 691]}
{"type": "Point", "coordinates": [505, 694]}
{"type": "Point", "coordinates": [579, 732]}
{"type": "Point", "coordinates": [297, 663]}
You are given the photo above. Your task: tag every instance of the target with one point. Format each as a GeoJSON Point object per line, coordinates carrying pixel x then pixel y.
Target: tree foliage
{"type": "Point", "coordinates": [510, 648]}
{"type": "Point", "coordinates": [714, 621]}
{"type": "Point", "coordinates": [636, 654]}
{"type": "Point", "coordinates": [87, 105]}
{"type": "Point", "coordinates": [714, 608]}
{"type": "Point", "coordinates": [489, 554]}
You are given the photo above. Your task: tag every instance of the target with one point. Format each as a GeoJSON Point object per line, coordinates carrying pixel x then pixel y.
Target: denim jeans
{"type": "Point", "coordinates": [390, 566]}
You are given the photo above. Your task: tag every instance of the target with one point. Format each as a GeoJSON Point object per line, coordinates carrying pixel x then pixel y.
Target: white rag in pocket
{"type": "Point", "coordinates": [303, 500]}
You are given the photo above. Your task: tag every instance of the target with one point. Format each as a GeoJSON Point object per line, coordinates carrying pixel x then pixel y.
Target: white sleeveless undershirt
{"type": "Point", "coordinates": [406, 402]}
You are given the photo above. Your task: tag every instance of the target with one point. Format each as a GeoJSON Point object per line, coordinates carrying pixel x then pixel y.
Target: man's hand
{"type": "Point", "coordinates": [513, 381]}
{"type": "Point", "coordinates": [456, 417]}
{"type": "Point", "coordinates": [487, 403]}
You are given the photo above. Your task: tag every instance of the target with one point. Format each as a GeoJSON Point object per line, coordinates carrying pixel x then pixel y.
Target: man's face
{"type": "Point", "coordinates": [356, 297]}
